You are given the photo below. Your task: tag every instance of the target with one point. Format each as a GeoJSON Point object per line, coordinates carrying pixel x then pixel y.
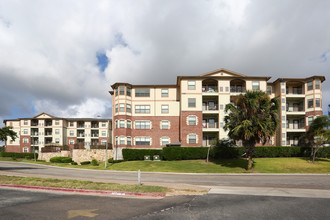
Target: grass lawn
{"type": "Point", "coordinates": [77, 184]}
{"type": "Point", "coordinates": [261, 165]}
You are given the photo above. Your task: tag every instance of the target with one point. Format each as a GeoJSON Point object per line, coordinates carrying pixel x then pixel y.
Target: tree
{"type": "Point", "coordinates": [7, 132]}
{"type": "Point", "coordinates": [317, 134]}
{"type": "Point", "coordinates": [253, 119]}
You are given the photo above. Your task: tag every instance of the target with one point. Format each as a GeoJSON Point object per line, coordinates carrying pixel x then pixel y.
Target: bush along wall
{"type": "Point", "coordinates": [61, 160]}
{"type": "Point", "coordinates": [138, 154]}
{"type": "Point", "coordinates": [18, 155]}
{"type": "Point", "coordinates": [184, 153]}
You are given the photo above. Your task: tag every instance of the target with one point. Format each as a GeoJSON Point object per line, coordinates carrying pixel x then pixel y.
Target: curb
{"type": "Point", "coordinates": [87, 191]}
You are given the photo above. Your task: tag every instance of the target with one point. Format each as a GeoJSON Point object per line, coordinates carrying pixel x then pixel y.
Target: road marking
{"type": "Point", "coordinates": [83, 212]}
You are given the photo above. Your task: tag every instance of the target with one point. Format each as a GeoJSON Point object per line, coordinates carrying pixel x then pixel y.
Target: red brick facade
{"type": "Point", "coordinates": [191, 129]}
{"type": "Point", "coordinates": [155, 133]}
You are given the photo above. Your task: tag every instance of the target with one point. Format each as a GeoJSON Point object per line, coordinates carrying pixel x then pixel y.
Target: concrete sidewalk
{"type": "Point", "coordinates": [270, 191]}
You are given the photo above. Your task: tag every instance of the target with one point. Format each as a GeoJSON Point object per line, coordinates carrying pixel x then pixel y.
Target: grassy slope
{"type": "Point", "coordinates": [262, 165]}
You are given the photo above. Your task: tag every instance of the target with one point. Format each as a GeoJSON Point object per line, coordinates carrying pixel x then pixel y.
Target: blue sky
{"type": "Point", "coordinates": [61, 57]}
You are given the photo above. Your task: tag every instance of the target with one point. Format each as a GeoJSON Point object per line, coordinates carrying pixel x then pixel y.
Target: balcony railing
{"type": "Point", "coordinates": [210, 126]}
{"type": "Point", "coordinates": [81, 135]}
{"type": "Point", "coordinates": [95, 135]}
{"type": "Point", "coordinates": [211, 89]}
{"type": "Point", "coordinates": [296, 109]}
{"type": "Point", "coordinates": [237, 89]}
{"type": "Point", "coordinates": [296, 126]}
{"type": "Point", "coordinates": [210, 108]}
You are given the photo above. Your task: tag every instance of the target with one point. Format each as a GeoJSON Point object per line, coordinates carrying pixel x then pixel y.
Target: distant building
{"type": "Point", "coordinates": [44, 129]}
{"type": "Point", "coordinates": [191, 112]}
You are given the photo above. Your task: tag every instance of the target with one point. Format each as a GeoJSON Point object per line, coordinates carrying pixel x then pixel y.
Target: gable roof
{"type": "Point", "coordinates": [44, 113]}
{"type": "Point", "coordinates": [214, 72]}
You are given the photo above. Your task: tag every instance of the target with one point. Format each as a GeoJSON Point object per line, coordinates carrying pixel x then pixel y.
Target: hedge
{"type": "Point", "coordinates": [184, 153]}
{"type": "Point", "coordinates": [17, 155]}
{"type": "Point", "coordinates": [138, 154]}
{"type": "Point", "coordinates": [61, 159]}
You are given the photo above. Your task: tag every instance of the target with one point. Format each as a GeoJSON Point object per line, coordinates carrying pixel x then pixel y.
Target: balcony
{"type": "Point", "coordinates": [295, 90]}
{"type": "Point", "coordinates": [81, 125]}
{"type": "Point", "coordinates": [95, 125]}
{"type": "Point", "coordinates": [296, 127]}
{"type": "Point", "coordinates": [210, 124]}
{"type": "Point", "coordinates": [81, 135]}
{"type": "Point", "coordinates": [237, 89]}
{"type": "Point", "coordinates": [95, 135]}
{"type": "Point", "coordinates": [209, 89]}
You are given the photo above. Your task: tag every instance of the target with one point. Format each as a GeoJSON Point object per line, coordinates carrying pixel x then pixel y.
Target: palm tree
{"type": "Point", "coordinates": [317, 134]}
{"type": "Point", "coordinates": [6, 132]}
{"type": "Point", "coordinates": [253, 119]}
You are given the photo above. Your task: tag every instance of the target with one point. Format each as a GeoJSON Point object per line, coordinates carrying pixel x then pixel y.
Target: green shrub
{"type": "Point", "coordinates": [138, 154]}
{"type": "Point", "coordinates": [95, 162]}
{"type": "Point", "coordinates": [111, 160]}
{"type": "Point", "coordinates": [184, 153]}
{"type": "Point", "coordinates": [74, 163]}
{"type": "Point", "coordinates": [17, 155]}
{"type": "Point", "coordinates": [85, 163]}
{"type": "Point", "coordinates": [13, 158]}
{"type": "Point", "coordinates": [61, 159]}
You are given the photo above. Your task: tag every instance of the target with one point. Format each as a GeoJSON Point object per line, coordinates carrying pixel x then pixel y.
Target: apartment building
{"type": "Point", "coordinates": [44, 129]}
{"type": "Point", "coordinates": [191, 112]}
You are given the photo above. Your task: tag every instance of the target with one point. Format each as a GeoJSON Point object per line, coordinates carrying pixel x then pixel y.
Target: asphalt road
{"type": "Point", "coordinates": [18, 204]}
{"type": "Point", "coordinates": [247, 180]}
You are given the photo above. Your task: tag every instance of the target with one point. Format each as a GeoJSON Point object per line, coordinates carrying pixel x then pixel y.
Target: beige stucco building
{"type": "Point", "coordinates": [192, 111]}
{"type": "Point", "coordinates": [44, 129]}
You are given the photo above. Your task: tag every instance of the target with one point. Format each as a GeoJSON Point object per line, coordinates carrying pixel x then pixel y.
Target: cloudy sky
{"type": "Point", "coordinates": [61, 57]}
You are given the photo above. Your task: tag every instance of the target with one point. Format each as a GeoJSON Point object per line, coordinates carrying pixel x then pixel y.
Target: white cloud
{"type": "Point", "coordinates": [48, 49]}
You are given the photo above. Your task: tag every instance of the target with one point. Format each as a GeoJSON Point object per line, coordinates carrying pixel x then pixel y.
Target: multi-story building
{"type": "Point", "coordinates": [191, 113]}
{"type": "Point", "coordinates": [44, 129]}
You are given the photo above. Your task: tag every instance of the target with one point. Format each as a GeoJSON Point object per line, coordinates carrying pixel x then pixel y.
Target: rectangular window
{"type": "Point", "coordinates": [121, 123]}
{"type": "Point", "coordinates": [310, 85]}
{"type": "Point", "coordinates": [129, 124]}
{"type": "Point", "coordinates": [104, 133]}
{"type": "Point", "coordinates": [317, 84]}
{"type": "Point", "coordinates": [103, 142]}
{"type": "Point", "coordinates": [283, 125]}
{"type": "Point", "coordinates": [283, 143]}
{"type": "Point", "coordinates": [283, 100]}
{"type": "Point", "coordinates": [128, 108]}
{"type": "Point", "coordinates": [57, 131]}
{"type": "Point", "coordinates": [116, 110]}
{"type": "Point", "coordinates": [71, 123]}
{"type": "Point", "coordinates": [128, 91]}
{"type": "Point", "coordinates": [142, 124]}
{"type": "Point", "coordinates": [317, 102]}
{"type": "Point", "coordinates": [283, 90]}
{"type": "Point", "coordinates": [310, 119]}
{"type": "Point", "coordinates": [164, 92]}
{"type": "Point", "coordinates": [116, 91]}
{"type": "Point", "coordinates": [122, 140]}
{"type": "Point", "coordinates": [25, 122]}
{"type": "Point", "coordinates": [121, 107]}
{"type": "Point", "coordinates": [191, 102]}
{"type": "Point", "coordinates": [221, 89]}
{"type": "Point", "coordinates": [103, 124]}
{"type": "Point", "coordinates": [310, 103]}
{"type": "Point", "coordinates": [25, 140]}
{"type": "Point", "coordinates": [57, 140]}
{"type": "Point", "coordinates": [142, 92]}
{"type": "Point", "coordinates": [269, 90]}
{"type": "Point", "coordinates": [227, 89]}
{"type": "Point", "coordinates": [142, 141]}
{"type": "Point", "coordinates": [165, 125]}
{"type": "Point", "coordinates": [191, 85]}
{"type": "Point", "coordinates": [164, 108]}
{"type": "Point", "coordinates": [25, 149]}
{"type": "Point", "coordinates": [283, 135]}
{"type": "Point", "coordinates": [116, 124]}
{"type": "Point", "coordinates": [71, 141]}
{"type": "Point", "coordinates": [283, 118]}
{"type": "Point", "coordinates": [57, 122]}
{"type": "Point", "coordinates": [129, 141]}
{"type": "Point", "coordinates": [165, 140]}
{"type": "Point", "coordinates": [192, 139]}
{"type": "Point", "coordinates": [116, 140]}
{"type": "Point", "coordinates": [121, 90]}
{"type": "Point", "coordinates": [71, 133]}
{"type": "Point", "coordinates": [221, 106]}
{"type": "Point", "coordinates": [191, 120]}
{"type": "Point", "coordinates": [142, 109]}
{"type": "Point", "coordinates": [25, 131]}
{"type": "Point", "coordinates": [255, 85]}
